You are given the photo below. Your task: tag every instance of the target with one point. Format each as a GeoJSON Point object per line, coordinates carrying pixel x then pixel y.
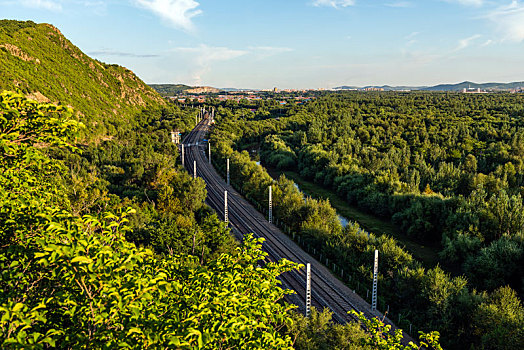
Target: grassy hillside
{"type": "Point", "coordinates": [37, 60]}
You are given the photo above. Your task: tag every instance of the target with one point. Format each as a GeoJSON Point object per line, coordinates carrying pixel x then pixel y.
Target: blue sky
{"type": "Point", "coordinates": [294, 43]}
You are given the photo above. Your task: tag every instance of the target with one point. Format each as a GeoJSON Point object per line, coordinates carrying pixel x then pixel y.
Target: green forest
{"type": "Point", "coordinates": [106, 241]}
{"type": "Point", "coordinates": [445, 168]}
{"type": "Point", "coordinates": [112, 246]}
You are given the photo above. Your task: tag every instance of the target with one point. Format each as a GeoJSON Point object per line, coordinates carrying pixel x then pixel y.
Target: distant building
{"type": "Point", "coordinates": [473, 91]}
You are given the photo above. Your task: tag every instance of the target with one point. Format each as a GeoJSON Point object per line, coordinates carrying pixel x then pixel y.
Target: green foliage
{"type": "Point", "coordinates": [28, 179]}
{"type": "Point", "coordinates": [382, 338]}
{"type": "Point", "coordinates": [25, 123]}
{"type": "Point", "coordinates": [74, 282]}
{"type": "Point", "coordinates": [11, 27]}
{"type": "Point", "coordinates": [319, 332]}
{"type": "Point", "coordinates": [288, 201]}
{"type": "Point", "coordinates": [137, 166]}
{"type": "Point", "coordinates": [500, 262]}
{"type": "Point", "coordinates": [421, 219]}
{"type": "Point", "coordinates": [463, 246]}
{"type": "Point", "coordinates": [277, 154]}
{"type": "Point", "coordinates": [499, 321]}
{"type": "Point", "coordinates": [77, 283]}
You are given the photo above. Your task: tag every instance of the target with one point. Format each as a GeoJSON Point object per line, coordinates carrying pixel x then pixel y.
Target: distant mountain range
{"type": "Point", "coordinates": [443, 87]}
{"type": "Point", "coordinates": [175, 89]}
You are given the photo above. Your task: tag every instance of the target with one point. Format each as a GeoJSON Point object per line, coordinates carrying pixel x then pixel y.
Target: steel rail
{"type": "Point", "coordinates": [327, 290]}
{"type": "Point", "coordinates": [331, 297]}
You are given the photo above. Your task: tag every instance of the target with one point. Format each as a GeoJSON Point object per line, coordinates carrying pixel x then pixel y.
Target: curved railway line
{"type": "Point", "coordinates": [326, 290]}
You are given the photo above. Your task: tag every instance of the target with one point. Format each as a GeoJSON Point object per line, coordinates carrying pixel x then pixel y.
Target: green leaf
{"type": "Point", "coordinates": [18, 307]}
{"type": "Point", "coordinates": [82, 260]}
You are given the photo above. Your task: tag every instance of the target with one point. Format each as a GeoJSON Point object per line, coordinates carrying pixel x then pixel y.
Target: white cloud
{"type": "Point", "coordinates": [487, 43]}
{"type": "Point", "coordinates": [110, 52]}
{"type": "Point", "coordinates": [411, 38]}
{"type": "Point", "coordinates": [476, 3]}
{"type": "Point", "coordinates": [463, 43]}
{"type": "Point", "coordinates": [210, 53]}
{"type": "Point", "coordinates": [202, 57]}
{"type": "Point", "coordinates": [44, 4]}
{"type": "Point", "coordinates": [333, 3]}
{"type": "Point", "coordinates": [177, 12]}
{"type": "Point", "coordinates": [411, 35]}
{"type": "Point", "coordinates": [98, 7]}
{"type": "Point", "coordinates": [201, 60]}
{"type": "Point", "coordinates": [400, 4]}
{"type": "Point", "coordinates": [509, 21]}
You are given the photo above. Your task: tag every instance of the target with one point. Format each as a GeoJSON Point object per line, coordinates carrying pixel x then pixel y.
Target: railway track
{"type": "Point", "coordinates": [327, 290]}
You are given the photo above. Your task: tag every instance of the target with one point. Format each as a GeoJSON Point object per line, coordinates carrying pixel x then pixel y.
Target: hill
{"type": "Point", "coordinates": [176, 89]}
{"type": "Point", "coordinates": [471, 85]}
{"type": "Point", "coordinates": [203, 90]}
{"type": "Point", "coordinates": [170, 89]}
{"type": "Point", "coordinates": [37, 60]}
{"type": "Point", "coordinates": [443, 87]}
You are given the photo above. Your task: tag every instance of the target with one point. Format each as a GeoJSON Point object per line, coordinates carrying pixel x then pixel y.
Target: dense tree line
{"type": "Point", "coordinates": [446, 168]}
{"type": "Point", "coordinates": [136, 167]}
{"type": "Point", "coordinates": [365, 147]}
